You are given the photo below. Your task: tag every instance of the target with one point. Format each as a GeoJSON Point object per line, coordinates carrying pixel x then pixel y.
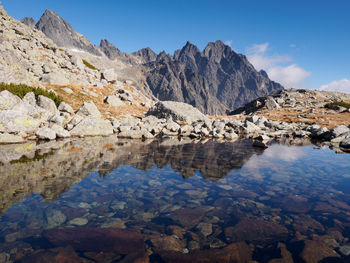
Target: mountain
{"type": "Point", "coordinates": [29, 21]}
{"type": "Point", "coordinates": [109, 49]}
{"type": "Point", "coordinates": [62, 33]}
{"type": "Point", "coordinates": [216, 80]}
{"type": "Point", "coordinates": [146, 55]}
{"type": "Point", "coordinates": [213, 80]}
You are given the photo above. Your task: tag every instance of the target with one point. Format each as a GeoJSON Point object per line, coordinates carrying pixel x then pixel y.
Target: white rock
{"type": "Point", "coordinates": [92, 126]}
{"type": "Point", "coordinates": [55, 77]}
{"type": "Point", "coordinates": [114, 101]}
{"type": "Point", "coordinates": [8, 100]}
{"type": "Point", "coordinates": [65, 107]}
{"type": "Point", "coordinates": [10, 138]}
{"type": "Point", "coordinates": [47, 104]}
{"type": "Point", "coordinates": [46, 134]}
{"type": "Point", "coordinates": [109, 75]}
{"type": "Point", "coordinates": [60, 132]}
{"type": "Point", "coordinates": [29, 98]}
{"type": "Point", "coordinates": [89, 109]}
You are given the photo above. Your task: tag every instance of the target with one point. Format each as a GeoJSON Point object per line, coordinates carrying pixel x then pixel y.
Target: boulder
{"type": "Point", "coordinates": [8, 100]}
{"type": "Point", "coordinates": [55, 78]}
{"type": "Point", "coordinates": [47, 104]}
{"type": "Point", "coordinates": [339, 130]}
{"type": "Point", "coordinates": [114, 101]}
{"type": "Point", "coordinates": [109, 75]}
{"type": "Point", "coordinates": [177, 111]}
{"type": "Point", "coordinates": [60, 132]}
{"type": "Point", "coordinates": [75, 60]}
{"type": "Point", "coordinates": [29, 98]}
{"type": "Point", "coordinates": [92, 126]}
{"type": "Point", "coordinates": [131, 134]}
{"type": "Point", "coordinates": [65, 107]}
{"type": "Point", "coordinates": [89, 109]}
{"type": "Point", "coordinates": [271, 104]}
{"type": "Point", "coordinates": [14, 121]}
{"type": "Point", "coordinates": [10, 138]}
{"type": "Point", "coordinates": [46, 134]}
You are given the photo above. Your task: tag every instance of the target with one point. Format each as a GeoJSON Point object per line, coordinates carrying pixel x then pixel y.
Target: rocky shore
{"type": "Point", "coordinates": [31, 119]}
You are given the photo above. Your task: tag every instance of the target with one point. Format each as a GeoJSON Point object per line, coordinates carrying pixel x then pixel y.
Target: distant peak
{"type": "Point", "coordinates": [49, 12]}
{"type": "Point", "coordinates": [189, 48]}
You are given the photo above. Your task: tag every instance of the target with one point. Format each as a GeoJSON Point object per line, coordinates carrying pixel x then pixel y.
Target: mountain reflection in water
{"type": "Point", "coordinates": [108, 200]}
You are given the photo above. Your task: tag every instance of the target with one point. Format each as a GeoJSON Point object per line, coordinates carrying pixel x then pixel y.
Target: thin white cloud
{"type": "Point", "coordinates": [277, 67]}
{"type": "Point", "coordinates": [258, 48]}
{"type": "Point", "coordinates": [292, 45]}
{"type": "Point", "coordinates": [342, 85]}
{"type": "Point", "coordinates": [228, 43]}
{"type": "Point", "coordinates": [260, 61]}
{"type": "Point", "coordinates": [290, 76]}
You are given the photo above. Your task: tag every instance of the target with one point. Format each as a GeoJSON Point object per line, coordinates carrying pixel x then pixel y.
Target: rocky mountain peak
{"type": "Point", "coordinates": [109, 49]}
{"type": "Point", "coordinates": [146, 54]}
{"type": "Point", "coordinates": [189, 50]}
{"type": "Point", "coordinates": [62, 33]}
{"type": "Point", "coordinates": [213, 80]}
{"type": "Point", "coordinates": [29, 21]}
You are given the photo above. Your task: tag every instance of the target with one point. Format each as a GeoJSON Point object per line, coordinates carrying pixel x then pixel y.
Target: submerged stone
{"type": "Point", "coordinates": [122, 241]}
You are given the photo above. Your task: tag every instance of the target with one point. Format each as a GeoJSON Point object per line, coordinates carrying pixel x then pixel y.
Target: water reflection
{"type": "Point", "coordinates": [173, 201]}
{"type": "Point", "coordinates": [55, 167]}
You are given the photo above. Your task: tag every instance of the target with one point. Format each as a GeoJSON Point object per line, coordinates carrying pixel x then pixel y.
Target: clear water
{"type": "Point", "coordinates": [109, 201]}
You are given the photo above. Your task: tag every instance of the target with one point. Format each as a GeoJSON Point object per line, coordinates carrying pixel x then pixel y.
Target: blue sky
{"type": "Point", "coordinates": [299, 43]}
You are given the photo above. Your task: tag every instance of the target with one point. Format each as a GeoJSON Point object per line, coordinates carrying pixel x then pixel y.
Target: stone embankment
{"type": "Point", "coordinates": [31, 119]}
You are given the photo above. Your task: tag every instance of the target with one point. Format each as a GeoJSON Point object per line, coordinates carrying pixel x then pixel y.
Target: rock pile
{"type": "Point", "coordinates": [30, 119]}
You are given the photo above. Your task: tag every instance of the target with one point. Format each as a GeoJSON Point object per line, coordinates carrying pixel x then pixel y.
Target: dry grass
{"type": "Point", "coordinates": [79, 96]}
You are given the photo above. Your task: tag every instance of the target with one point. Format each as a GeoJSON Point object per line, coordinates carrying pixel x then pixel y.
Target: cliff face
{"type": "Point", "coordinates": [213, 80]}
{"type": "Point", "coordinates": [62, 33]}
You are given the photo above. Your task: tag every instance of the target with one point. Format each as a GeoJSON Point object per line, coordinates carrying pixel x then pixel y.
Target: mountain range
{"type": "Point", "coordinates": [215, 80]}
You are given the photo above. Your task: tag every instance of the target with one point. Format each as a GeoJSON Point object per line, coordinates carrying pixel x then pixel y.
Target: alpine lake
{"type": "Point", "coordinates": [104, 199]}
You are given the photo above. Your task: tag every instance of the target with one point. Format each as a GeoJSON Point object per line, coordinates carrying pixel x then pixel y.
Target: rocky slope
{"type": "Point", "coordinates": [62, 33]}
{"type": "Point", "coordinates": [213, 80]}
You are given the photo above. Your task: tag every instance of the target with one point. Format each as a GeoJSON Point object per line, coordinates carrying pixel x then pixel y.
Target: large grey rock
{"type": "Point", "coordinates": [177, 111]}
{"type": "Point", "coordinates": [60, 132]}
{"type": "Point", "coordinates": [8, 100]}
{"type": "Point", "coordinates": [46, 134]}
{"type": "Point", "coordinates": [56, 77]}
{"type": "Point", "coordinates": [271, 104]}
{"type": "Point", "coordinates": [65, 107]}
{"type": "Point", "coordinates": [47, 104]}
{"type": "Point", "coordinates": [62, 33]}
{"type": "Point", "coordinates": [29, 98]}
{"type": "Point", "coordinates": [109, 75]}
{"type": "Point", "coordinates": [114, 101]}
{"type": "Point", "coordinates": [92, 126]}
{"type": "Point", "coordinates": [77, 61]}
{"type": "Point", "coordinates": [10, 138]}
{"type": "Point", "coordinates": [339, 130]}
{"type": "Point", "coordinates": [13, 121]}
{"type": "Point", "coordinates": [89, 109]}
